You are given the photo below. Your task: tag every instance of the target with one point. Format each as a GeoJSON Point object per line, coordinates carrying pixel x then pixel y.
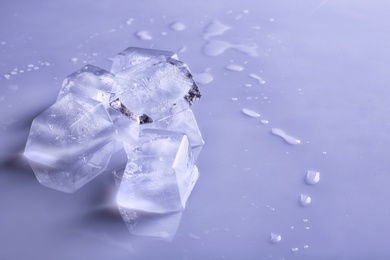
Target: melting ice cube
{"type": "Point", "coordinates": [159, 175]}
{"type": "Point", "coordinates": [154, 89]}
{"type": "Point", "coordinates": [70, 143]}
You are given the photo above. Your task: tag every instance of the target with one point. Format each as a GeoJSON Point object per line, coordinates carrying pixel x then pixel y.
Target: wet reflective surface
{"type": "Point", "coordinates": [317, 71]}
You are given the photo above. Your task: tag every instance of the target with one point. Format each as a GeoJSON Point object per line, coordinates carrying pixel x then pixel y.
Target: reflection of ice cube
{"type": "Point", "coordinates": [157, 88]}
{"type": "Point", "coordinates": [133, 55]}
{"type": "Point", "coordinates": [89, 81]}
{"type": "Point", "coordinates": [163, 226]}
{"type": "Point", "coordinates": [159, 175]}
{"type": "Point", "coordinates": [70, 143]}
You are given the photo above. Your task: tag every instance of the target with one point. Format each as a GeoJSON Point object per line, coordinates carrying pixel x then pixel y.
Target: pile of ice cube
{"type": "Point", "coordinates": [141, 106]}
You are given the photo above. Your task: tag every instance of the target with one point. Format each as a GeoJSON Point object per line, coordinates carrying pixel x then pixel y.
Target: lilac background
{"type": "Point", "coordinates": [326, 71]}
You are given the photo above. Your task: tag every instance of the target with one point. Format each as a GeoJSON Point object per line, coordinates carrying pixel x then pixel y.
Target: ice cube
{"type": "Point", "coordinates": [185, 123]}
{"type": "Point", "coordinates": [133, 55]}
{"type": "Point", "coordinates": [90, 81]}
{"type": "Point", "coordinates": [154, 89]}
{"type": "Point", "coordinates": [159, 175]}
{"type": "Point", "coordinates": [70, 143]}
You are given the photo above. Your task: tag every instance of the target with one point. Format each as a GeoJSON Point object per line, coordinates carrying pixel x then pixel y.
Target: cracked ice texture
{"type": "Point", "coordinates": [164, 83]}
{"type": "Point", "coordinates": [159, 175]}
{"type": "Point", "coordinates": [70, 143]}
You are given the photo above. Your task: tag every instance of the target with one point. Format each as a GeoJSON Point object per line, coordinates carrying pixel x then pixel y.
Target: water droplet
{"type": "Point", "coordinates": [13, 72]}
{"type": "Point", "coordinates": [215, 48]}
{"type": "Point", "coordinates": [144, 35]}
{"type": "Point", "coordinates": [234, 99]}
{"type": "Point", "coordinates": [234, 67]}
{"type": "Point", "coordinates": [264, 121]}
{"type": "Point", "coordinates": [129, 21]}
{"type": "Point", "coordinates": [275, 238]}
{"type": "Point", "coordinates": [305, 246]}
{"type": "Point", "coordinates": [294, 249]}
{"type": "Point", "coordinates": [305, 220]}
{"type": "Point", "coordinates": [74, 60]}
{"type": "Point", "coordinates": [250, 113]}
{"type": "Point", "coordinates": [203, 78]}
{"type": "Point", "coordinates": [289, 139]}
{"type": "Point", "coordinates": [30, 66]}
{"type": "Point", "coordinates": [258, 78]}
{"type": "Point", "coordinates": [304, 200]}
{"type": "Point", "coordinates": [312, 177]}
{"type": "Point", "coordinates": [177, 26]}
{"type": "Point", "coordinates": [36, 68]}
{"type": "Point", "coordinates": [215, 28]}
{"type": "Point", "coordinates": [7, 76]}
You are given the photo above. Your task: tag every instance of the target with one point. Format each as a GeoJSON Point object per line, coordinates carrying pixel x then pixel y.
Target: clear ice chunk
{"type": "Point", "coordinates": [185, 123]}
{"type": "Point", "coordinates": [70, 143]}
{"type": "Point", "coordinates": [133, 56]}
{"type": "Point", "coordinates": [159, 175]}
{"type": "Point", "coordinates": [154, 89]}
{"type": "Point", "coordinates": [90, 81]}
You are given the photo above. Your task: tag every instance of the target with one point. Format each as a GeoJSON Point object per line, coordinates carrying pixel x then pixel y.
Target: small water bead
{"type": "Point", "coordinates": [215, 28]}
{"type": "Point", "coordinates": [304, 200]}
{"type": "Point", "coordinates": [130, 21]}
{"type": "Point", "coordinates": [250, 113]}
{"type": "Point", "coordinates": [258, 78]}
{"type": "Point", "coordinates": [305, 246]}
{"type": "Point", "coordinates": [7, 76]}
{"type": "Point", "coordinates": [289, 139]}
{"type": "Point", "coordinates": [234, 67]}
{"type": "Point", "coordinates": [178, 26]}
{"type": "Point", "coordinates": [294, 249]}
{"type": "Point", "coordinates": [264, 122]}
{"type": "Point", "coordinates": [144, 35]}
{"type": "Point", "coordinates": [215, 48]}
{"type": "Point", "coordinates": [203, 78]}
{"type": "Point", "coordinates": [312, 177]}
{"type": "Point", "coordinates": [275, 238]}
